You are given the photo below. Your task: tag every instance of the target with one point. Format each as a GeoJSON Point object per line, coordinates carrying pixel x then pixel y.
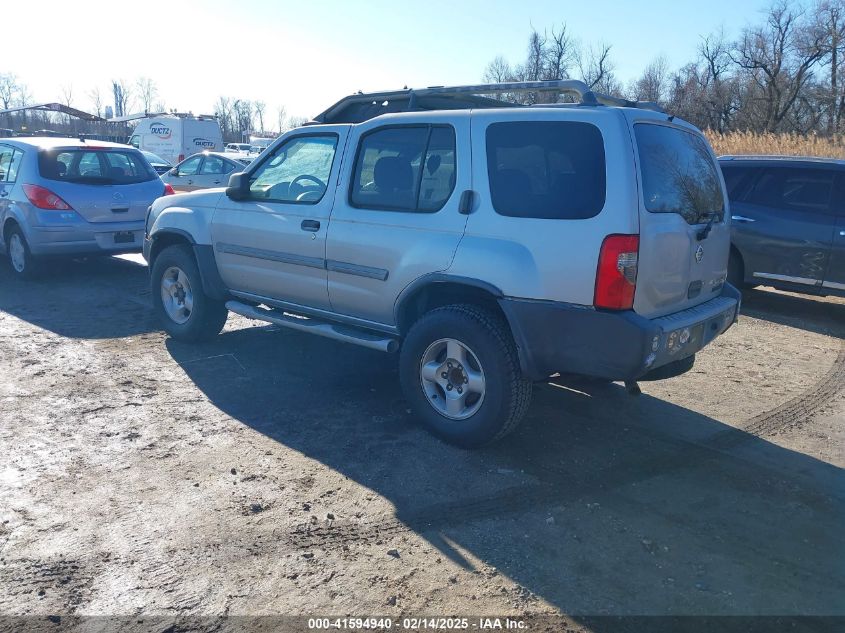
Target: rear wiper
{"type": "Point", "coordinates": [703, 233]}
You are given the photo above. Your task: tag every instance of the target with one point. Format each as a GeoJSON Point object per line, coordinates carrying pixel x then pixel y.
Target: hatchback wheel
{"type": "Point", "coordinates": [24, 265]}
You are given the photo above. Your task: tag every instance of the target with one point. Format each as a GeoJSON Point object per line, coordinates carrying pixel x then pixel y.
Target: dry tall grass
{"type": "Point", "coordinates": [781, 144]}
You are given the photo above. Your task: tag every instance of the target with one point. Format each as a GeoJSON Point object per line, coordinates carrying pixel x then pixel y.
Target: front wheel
{"type": "Point", "coordinates": [185, 311]}
{"type": "Point", "coordinates": [460, 373]}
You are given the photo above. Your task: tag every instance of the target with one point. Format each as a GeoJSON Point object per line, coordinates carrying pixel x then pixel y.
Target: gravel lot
{"type": "Point", "coordinates": [273, 472]}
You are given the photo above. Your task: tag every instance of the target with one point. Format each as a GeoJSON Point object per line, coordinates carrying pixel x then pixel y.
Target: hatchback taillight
{"type": "Point", "coordinates": [44, 198]}
{"type": "Point", "coordinates": [168, 190]}
{"type": "Point", "coordinates": [616, 277]}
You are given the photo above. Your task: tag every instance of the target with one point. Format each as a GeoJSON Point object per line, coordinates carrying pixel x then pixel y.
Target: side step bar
{"type": "Point", "coordinates": [321, 328]}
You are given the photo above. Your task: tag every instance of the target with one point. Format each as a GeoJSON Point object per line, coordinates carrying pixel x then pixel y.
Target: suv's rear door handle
{"type": "Point", "coordinates": [310, 225]}
{"type": "Point", "coordinates": [3, 193]}
{"type": "Point", "coordinates": [742, 219]}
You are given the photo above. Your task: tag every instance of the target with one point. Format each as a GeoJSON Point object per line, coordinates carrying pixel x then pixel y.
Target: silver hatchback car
{"type": "Point", "coordinates": [62, 196]}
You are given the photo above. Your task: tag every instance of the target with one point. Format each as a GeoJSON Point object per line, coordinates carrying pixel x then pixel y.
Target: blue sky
{"type": "Point", "coordinates": [306, 55]}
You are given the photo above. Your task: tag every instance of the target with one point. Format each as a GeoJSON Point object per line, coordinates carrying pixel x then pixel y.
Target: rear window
{"type": "Point", "coordinates": [546, 169]}
{"type": "Point", "coordinates": [95, 166]}
{"type": "Point", "coordinates": [678, 173]}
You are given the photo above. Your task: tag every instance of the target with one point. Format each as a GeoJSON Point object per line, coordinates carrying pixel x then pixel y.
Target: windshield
{"type": "Point", "coordinates": [155, 159]}
{"type": "Point", "coordinates": [94, 166]}
{"type": "Point", "coordinates": [678, 173]}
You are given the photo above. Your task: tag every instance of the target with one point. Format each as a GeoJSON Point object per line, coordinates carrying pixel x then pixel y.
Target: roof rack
{"type": "Point", "coordinates": [363, 106]}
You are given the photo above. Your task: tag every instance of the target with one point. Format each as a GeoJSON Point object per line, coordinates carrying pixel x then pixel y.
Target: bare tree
{"type": "Point", "coordinates": [122, 96]}
{"type": "Point", "coordinates": [9, 89]}
{"type": "Point", "coordinates": [596, 69]}
{"type": "Point", "coordinates": [829, 21]}
{"type": "Point", "coordinates": [281, 118]}
{"type": "Point", "coordinates": [498, 71]}
{"type": "Point", "coordinates": [778, 58]}
{"type": "Point", "coordinates": [260, 107]}
{"type": "Point", "coordinates": [147, 92]}
{"type": "Point", "coordinates": [653, 84]}
{"type": "Point", "coordinates": [96, 100]}
{"type": "Point", "coordinates": [67, 94]}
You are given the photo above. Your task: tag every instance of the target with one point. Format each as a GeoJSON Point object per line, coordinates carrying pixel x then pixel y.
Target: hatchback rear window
{"type": "Point", "coordinates": [678, 173]}
{"type": "Point", "coordinates": [95, 166]}
{"type": "Point", "coordinates": [546, 169]}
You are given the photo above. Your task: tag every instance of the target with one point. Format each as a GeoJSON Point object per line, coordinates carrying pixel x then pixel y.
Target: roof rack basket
{"type": "Point", "coordinates": [362, 106]}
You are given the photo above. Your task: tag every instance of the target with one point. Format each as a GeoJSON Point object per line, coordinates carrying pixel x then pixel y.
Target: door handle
{"type": "Point", "coordinates": [4, 193]}
{"type": "Point", "coordinates": [742, 219]}
{"type": "Point", "coordinates": [310, 225]}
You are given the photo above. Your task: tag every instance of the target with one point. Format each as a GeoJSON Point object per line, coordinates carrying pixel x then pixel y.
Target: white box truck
{"type": "Point", "coordinates": [174, 137]}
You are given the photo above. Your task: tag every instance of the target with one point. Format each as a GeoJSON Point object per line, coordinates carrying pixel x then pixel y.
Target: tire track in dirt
{"type": "Point", "coordinates": [563, 486]}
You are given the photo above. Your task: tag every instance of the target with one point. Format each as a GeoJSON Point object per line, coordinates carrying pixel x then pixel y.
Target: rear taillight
{"type": "Point", "coordinates": [44, 198]}
{"type": "Point", "coordinates": [616, 277]}
{"type": "Point", "coordinates": [168, 190]}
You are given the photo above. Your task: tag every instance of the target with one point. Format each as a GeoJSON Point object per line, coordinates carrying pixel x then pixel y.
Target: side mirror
{"type": "Point", "coordinates": [174, 171]}
{"type": "Point", "coordinates": [238, 188]}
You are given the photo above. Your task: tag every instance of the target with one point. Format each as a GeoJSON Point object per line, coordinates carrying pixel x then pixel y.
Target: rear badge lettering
{"type": "Point", "coordinates": [699, 254]}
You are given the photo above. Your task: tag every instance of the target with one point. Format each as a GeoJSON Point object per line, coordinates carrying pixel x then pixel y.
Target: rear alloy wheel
{"type": "Point", "coordinates": [24, 265]}
{"type": "Point", "coordinates": [460, 373]}
{"type": "Point", "coordinates": [185, 311]}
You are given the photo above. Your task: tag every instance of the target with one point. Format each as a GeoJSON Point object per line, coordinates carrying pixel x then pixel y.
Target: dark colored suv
{"type": "Point", "coordinates": [788, 228]}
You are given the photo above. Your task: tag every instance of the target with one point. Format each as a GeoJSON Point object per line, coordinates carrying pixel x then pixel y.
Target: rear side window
{"type": "Point", "coordinates": [95, 166]}
{"type": "Point", "coordinates": [678, 173]}
{"type": "Point", "coordinates": [407, 168]}
{"type": "Point", "coordinates": [546, 169]}
{"type": "Point", "coordinates": [794, 189]}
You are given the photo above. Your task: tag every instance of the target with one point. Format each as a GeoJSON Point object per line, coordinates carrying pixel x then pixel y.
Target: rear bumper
{"type": "Point", "coordinates": [555, 337]}
{"type": "Point", "coordinates": [86, 239]}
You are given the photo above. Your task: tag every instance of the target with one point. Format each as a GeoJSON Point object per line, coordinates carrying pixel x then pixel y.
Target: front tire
{"type": "Point", "coordinates": [24, 264]}
{"type": "Point", "coordinates": [185, 311]}
{"type": "Point", "coordinates": [460, 373]}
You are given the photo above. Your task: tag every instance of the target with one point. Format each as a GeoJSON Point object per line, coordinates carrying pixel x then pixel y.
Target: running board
{"type": "Point", "coordinates": [321, 328]}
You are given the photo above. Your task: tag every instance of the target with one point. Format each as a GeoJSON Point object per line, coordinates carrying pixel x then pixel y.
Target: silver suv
{"type": "Point", "coordinates": [490, 244]}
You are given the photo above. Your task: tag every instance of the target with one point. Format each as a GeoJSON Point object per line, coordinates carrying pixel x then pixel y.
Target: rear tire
{"type": "Point", "coordinates": [185, 311]}
{"type": "Point", "coordinates": [24, 264]}
{"type": "Point", "coordinates": [460, 373]}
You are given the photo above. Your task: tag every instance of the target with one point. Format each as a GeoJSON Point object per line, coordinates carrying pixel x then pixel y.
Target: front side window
{"type": "Point", "coordinates": [546, 169]}
{"type": "Point", "coordinates": [407, 168]}
{"type": "Point", "coordinates": [794, 189]}
{"type": "Point", "coordinates": [189, 167]}
{"type": "Point", "coordinates": [297, 172]}
{"type": "Point", "coordinates": [678, 173]}
{"type": "Point", "coordinates": [95, 166]}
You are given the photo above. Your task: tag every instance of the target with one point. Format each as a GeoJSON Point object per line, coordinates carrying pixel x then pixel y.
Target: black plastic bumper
{"type": "Point", "coordinates": [556, 337]}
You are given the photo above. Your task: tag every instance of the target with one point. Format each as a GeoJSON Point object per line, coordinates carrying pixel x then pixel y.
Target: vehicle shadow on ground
{"type": "Point", "coordinates": [814, 314]}
{"type": "Point", "coordinates": [600, 504]}
{"type": "Point", "coordinates": [98, 297]}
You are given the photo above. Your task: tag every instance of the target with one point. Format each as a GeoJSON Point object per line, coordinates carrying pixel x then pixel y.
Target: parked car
{"type": "Point", "coordinates": [491, 246]}
{"type": "Point", "coordinates": [63, 196]}
{"type": "Point", "coordinates": [205, 170]}
{"type": "Point", "coordinates": [788, 228]}
{"type": "Point", "coordinates": [157, 162]}
{"type": "Point", "coordinates": [238, 148]}
{"type": "Point", "coordinates": [175, 136]}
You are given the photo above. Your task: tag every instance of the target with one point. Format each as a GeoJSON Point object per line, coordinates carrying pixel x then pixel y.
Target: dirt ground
{"type": "Point", "coordinates": [271, 472]}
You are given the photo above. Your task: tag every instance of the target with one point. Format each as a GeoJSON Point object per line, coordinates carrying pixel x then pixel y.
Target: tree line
{"type": "Point", "coordinates": [783, 74]}
{"type": "Point", "coordinates": [239, 118]}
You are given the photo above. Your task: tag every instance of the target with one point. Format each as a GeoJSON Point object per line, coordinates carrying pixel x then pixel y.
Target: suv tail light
{"type": "Point", "coordinates": [168, 190]}
{"type": "Point", "coordinates": [44, 198]}
{"type": "Point", "coordinates": [616, 277]}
